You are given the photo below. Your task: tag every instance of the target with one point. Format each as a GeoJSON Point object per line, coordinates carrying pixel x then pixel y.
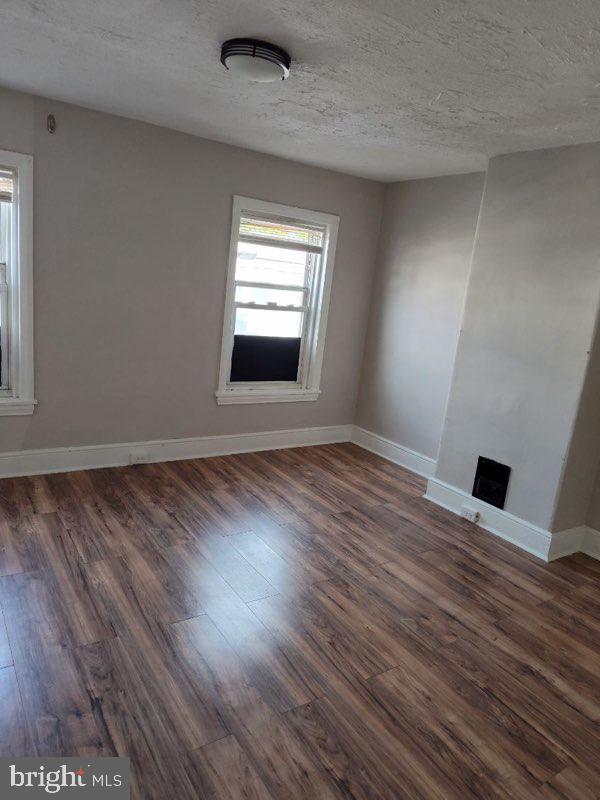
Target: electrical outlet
{"type": "Point", "coordinates": [138, 457]}
{"type": "Point", "coordinates": [470, 514]}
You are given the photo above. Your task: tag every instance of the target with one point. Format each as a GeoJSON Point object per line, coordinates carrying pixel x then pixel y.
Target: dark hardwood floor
{"type": "Point", "coordinates": [292, 624]}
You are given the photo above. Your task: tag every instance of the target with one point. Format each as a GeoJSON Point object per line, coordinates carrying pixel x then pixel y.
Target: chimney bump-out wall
{"type": "Point", "coordinates": [529, 320]}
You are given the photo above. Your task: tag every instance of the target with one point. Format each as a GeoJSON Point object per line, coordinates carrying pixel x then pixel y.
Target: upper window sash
{"type": "Point", "coordinates": [304, 248]}
{"type": "Point", "coordinates": [285, 287]}
{"type": "Point", "coordinates": [270, 307]}
{"type": "Point", "coordinates": [279, 230]}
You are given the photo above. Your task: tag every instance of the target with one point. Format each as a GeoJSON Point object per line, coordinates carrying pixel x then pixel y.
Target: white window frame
{"type": "Point", "coordinates": [18, 399]}
{"type": "Point", "coordinates": [308, 386]}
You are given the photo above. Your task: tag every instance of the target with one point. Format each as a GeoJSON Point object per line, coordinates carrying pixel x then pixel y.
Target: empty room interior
{"type": "Point", "coordinates": [300, 399]}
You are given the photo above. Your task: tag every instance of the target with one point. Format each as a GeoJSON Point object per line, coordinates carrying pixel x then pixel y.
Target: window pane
{"type": "Point", "coordinates": [285, 231]}
{"type": "Point", "coordinates": [5, 220]}
{"type": "Point", "coordinates": [258, 322]}
{"type": "Point", "coordinates": [3, 328]}
{"type": "Point", "coordinates": [280, 297]}
{"type": "Point", "coordinates": [6, 186]}
{"type": "Point", "coordinates": [263, 264]}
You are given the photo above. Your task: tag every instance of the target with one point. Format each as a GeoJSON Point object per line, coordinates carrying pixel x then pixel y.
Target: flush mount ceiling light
{"type": "Point", "coordinates": [255, 60]}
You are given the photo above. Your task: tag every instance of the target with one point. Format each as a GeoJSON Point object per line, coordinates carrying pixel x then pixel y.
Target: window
{"type": "Point", "coordinates": [16, 291]}
{"type": "Point", "coordinates": [278, 286]}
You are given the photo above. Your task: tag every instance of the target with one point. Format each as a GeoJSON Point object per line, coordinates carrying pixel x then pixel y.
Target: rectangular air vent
{"type": "Point", "coordinates": [491, 482]}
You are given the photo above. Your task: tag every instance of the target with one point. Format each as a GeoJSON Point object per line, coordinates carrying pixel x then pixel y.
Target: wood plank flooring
{"type": "Point", "coordinates": [292, 624]}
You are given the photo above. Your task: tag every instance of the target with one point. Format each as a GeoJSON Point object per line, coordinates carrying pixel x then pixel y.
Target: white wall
{"type": "Point", "coordinates": [131, 243]}
{"type": "Point", "coordinates": [419, 289]}
{"type": "Point", "coordinates": [530, 313]}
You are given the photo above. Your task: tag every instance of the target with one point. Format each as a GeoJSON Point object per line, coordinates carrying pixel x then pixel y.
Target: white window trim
{"type": "Point", "coordinates": [310, 387]}
{"type": "Point", "coordinates": [19, 399]}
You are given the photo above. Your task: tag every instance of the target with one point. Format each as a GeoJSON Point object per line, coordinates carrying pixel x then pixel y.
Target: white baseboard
{"type": "Point", "coordinates": [540, 542]}
{"type": "Point", "coordinates": [576, 540]}
{"type": "Point", "coordinates": [565, 543]}
{"type": "Point", "coordinates": [591, 543]}
{"type": "Point", "coordinates": [416, 462]}
{"type": "Point", "coordinates": [67, 459]}
{"type": "Point", "coordinates": [513, 529]}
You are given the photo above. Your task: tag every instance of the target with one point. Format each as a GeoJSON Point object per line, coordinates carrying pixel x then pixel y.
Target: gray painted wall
{"type": "Point", "coordinates": [588, 428]}
{"type": "Point", "coordinates": [131, 242]}
{"type": "Point", "coordinates": [529, 320]}
{"type": "Point", "coordinates": [582, 462]}
{"type": "Point", "coordinates": [422, 272]}
{"type": "Point", "coordinates": [131, 238]}
{"type": "Point", "coordinates": [593, 512]}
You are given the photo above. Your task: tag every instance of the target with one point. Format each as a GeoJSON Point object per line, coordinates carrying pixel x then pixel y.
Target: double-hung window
{"type": "Point", "coordinates": [16, 291]}
{"type": "Point", "coordinates": [278, 286]}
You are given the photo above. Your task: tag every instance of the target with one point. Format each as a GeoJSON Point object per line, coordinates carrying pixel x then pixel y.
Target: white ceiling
{"type": "Point", "coordinates": [388, 89]}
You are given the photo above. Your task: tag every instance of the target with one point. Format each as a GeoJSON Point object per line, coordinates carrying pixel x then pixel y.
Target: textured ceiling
{"type": "Point", "coordinates": [386, 88]}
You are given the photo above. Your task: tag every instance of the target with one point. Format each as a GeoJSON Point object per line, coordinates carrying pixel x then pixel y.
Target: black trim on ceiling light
{"type": "Point", "coordinates": [257, 49]}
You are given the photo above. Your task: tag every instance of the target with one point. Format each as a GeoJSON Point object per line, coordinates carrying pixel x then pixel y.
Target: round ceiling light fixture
{"type": "Point", "coordinates": [255, 60]}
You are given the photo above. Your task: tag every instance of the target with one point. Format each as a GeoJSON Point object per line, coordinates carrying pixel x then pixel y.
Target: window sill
{"type": "Point", "coordinates": [13, 407]}
{"type": "Point", "coordinates": [228, 397]}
